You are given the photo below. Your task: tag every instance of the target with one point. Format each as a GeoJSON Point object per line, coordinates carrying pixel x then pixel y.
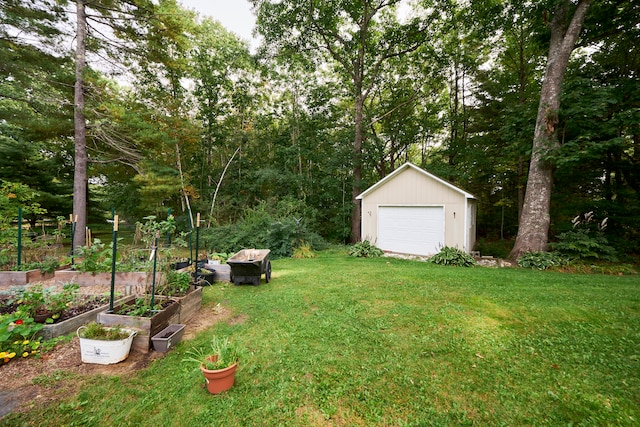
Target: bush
{"type": "Point", "coordinates": [365, 249]}
{"type": "Point", "coordinates": [541, 260]}
{"type": "Point", "coordinates": [453, 256]}
{"type": "Point", "coordinates": [303, 251]}
{"type": "Point", "coordinates": [260, 227]}
{"type": "Point", "coordinates": [586, 241]}
{"type": "Point", "coordinates": [583, 245]}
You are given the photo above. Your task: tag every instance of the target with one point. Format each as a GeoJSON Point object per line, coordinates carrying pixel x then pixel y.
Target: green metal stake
{"type": "Point", "coordinates": [73, 233]}
{"type": "Point", "coordinates": [190, 242]}
{"type": "Point", "coordinates": [197, 237]}
{"type": "Point", "coordinates": [113, 261]}
{"type": "Point", "coordinates": [155, 263]}
{"type": "Point", "coordinates": [19, 238]}
{"type": "Point", "coordinates": [169, 233]}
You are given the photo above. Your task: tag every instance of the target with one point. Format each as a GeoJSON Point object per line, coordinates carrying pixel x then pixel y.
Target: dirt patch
{"type": "Point", "coordinates": [19, 391]}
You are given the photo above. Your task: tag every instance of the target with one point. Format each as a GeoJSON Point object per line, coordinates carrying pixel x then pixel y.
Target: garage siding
{"type": "Point", "coordinates": [410, 186]}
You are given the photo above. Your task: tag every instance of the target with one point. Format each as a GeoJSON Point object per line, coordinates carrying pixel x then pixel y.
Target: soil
{"type": "Point", "coordinates": [20, 392]}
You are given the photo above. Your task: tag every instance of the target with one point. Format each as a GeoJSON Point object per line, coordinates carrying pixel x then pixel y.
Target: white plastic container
{"type": "Point", "coordinates": [105, 352]}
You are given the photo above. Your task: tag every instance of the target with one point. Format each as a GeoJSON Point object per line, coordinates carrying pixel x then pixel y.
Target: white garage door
{"type": "Point", "coordinates": [415, 230]}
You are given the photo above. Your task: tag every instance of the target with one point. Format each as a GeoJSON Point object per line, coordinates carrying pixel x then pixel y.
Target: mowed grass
{"type": "Point", "coordinates": [339, 341]}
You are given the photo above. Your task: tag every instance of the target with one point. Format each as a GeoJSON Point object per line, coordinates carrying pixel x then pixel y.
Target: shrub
{"type": "Point", "coordinates": [453, 256]}
{"type": "Point", "coordinates": [303, 251]}
{"type": "Point", "coordinates": [541, 260]}
{"type": "Point", "coordinates": [261, 228]}
{"type": "Point", "coordinates": [586, 241]}
{"type": "Point", "coordinates": [365, 249]}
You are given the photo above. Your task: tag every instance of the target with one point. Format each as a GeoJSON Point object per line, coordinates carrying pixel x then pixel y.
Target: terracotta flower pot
{"type": "Point", "coordinates": [219, 380]}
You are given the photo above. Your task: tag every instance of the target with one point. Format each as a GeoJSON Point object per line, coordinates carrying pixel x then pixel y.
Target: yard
{"type": "Point", "coordinates": [340, 341]}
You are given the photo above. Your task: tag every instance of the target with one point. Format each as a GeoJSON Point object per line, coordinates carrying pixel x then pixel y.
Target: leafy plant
{"type": "Point", "coordinates": [177, 283]}
{"type": "Point", "coordinates": [95, 258]}
{"type": "Point", "coordinates": [365, 249]}
{"type": "Point", "coordinates": [142, 307]}
{"type": "Point", "coordinates": [541, 260]}
{"type": "Point", "coordinates": [37, 300]}
{"type": "Point", "coordinates": [279, 230]}
{"type": "Point", "coordinates": [97, 331]}
{"type": "Point", "coordinates": [586, 241]}
{"type": "Point", "coordinates": [18, 336]}
{"type": "Point", "coordinates": [221, 353]}
{"type": "Point", "coordinates": [453, 256]}
{"type": "Point", "coordinates": [47, 265]}
{"type": "Point", "coordinates": [304, 250]}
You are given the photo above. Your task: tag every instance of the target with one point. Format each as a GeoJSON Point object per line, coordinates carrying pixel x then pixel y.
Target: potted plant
{"type": "Point", "coordinates": [218, 363]}
{"type": "Point", "coordinates": [104, 345]}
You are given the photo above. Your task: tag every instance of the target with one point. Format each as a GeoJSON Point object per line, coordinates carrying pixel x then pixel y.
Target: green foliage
{"type": "Point", "coordinates": [279, 230]}
{"type": "Point", "coordinates": [14, 195]}
{"type": "Point", "coordinates": [586, 241]}
{"type": "Point", "coordinates": [303, 251]}
{"type": "Point", "coordinates": [176, 284]}
{"type": "Point", "coordinates": [365, 249]}
{"type": "Point", "coordinates": [453, 256]}
{"type": "Point", "coordinates": [97, 331]}
{"type": "Point", "coordinates": [38, 300]}
{"type": "Point", "coordinates": [541, 260]}
{"type": "Point", "coordinates": [225, 353]}
{"type": "Point", "coordinates": [18, 336]}
{"type": "Point", "coordinates": [141, 307]}
{"type": "Point", "coordinates": [97, 258]}
{"type": "Point", "coordinates": [494, 248]}
{"type": "Point", "coordinates": [583, 245]}
{"type": "Point", "coordinates": [151, 229]}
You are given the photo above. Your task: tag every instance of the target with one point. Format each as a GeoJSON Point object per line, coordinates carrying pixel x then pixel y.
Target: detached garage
{"type": "Point", "coordinates": [411, 211]}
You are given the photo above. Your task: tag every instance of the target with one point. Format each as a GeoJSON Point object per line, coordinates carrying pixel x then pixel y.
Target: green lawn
{"type": "Point", "coordinates": [359, 342]}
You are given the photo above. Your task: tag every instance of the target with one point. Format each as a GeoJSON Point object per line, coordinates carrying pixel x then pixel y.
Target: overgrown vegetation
{"type": "Point", "coordinates": [280, 229]}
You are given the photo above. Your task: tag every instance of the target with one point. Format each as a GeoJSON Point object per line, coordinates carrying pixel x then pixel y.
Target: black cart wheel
{"type": "Point", "coordinates": [231, 279]}
{"type": "Point", "coordinates": [267, 274]}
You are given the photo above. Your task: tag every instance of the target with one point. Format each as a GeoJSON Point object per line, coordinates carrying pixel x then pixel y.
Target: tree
{"type": "Point", "coordinates": [565, 26]}
{"type": "Point", "coordinates": [359, 37]}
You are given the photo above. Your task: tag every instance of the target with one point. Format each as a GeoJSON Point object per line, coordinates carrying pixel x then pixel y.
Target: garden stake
{"type": "Point", "coordinates": [155, 262]}
{"type": "Point", "coordinates": [197, 241]}
{"type": "Point", "coordinates": [72, 224]}
{"type": "Point", "coordinates": [113, 262]}
{"type": "Point", "coordinates": [19, 237]}
{"type": "Point", "coordinates": [168, 233]}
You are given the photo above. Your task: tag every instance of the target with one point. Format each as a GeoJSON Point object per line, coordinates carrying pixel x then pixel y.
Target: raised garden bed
{"type": "Point", "coordinates": [136, 281]}
{"type": "Point", "coordinates": [19, 278]}
{"type": "Point", "coordinates": [71, 320]}
{"type": "Point", "coordinates": [145, 326]}
{"type": "Point", "coordinates": [189, 304]}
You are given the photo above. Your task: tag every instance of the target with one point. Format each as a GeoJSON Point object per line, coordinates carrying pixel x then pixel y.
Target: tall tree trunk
{"type": "Point", "coordinates": [533, 230]}
{"type": "Point", "coordinates": [80, 130]}
{"type": "Point", "coordinates": [357, 167]}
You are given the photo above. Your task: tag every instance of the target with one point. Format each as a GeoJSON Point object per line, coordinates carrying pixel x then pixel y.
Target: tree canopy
{"type": "Point", "coordinates": [179, 114]}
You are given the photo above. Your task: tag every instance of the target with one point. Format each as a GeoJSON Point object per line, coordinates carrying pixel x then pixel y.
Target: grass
{"type": "Point", "coordinates": [342, 341]}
